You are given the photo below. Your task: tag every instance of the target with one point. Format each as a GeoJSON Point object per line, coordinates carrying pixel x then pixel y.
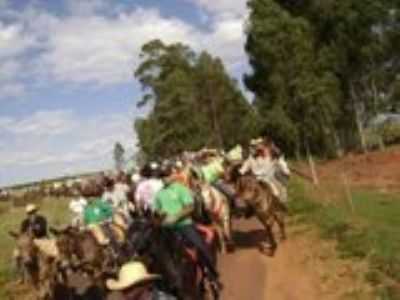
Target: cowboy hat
{"type": "Point", "coordinates": [135, 178]}
{"type": "Point", "coordinates": [255, 142]}
{"type": "Point", "coordinates": [130, 274]}
{"type": "Point", "coordinates": [236, 154]}
{"type": "Point", "coordinates": [30, 208]}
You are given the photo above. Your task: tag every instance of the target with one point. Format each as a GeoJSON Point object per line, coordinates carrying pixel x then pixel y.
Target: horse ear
{"type": "Point", "coordinates": [55, 231]}
{"type": "Point", "coordinates": [13, 234]}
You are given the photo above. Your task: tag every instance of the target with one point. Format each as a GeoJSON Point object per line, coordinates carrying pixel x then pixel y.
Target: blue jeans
{"type": "Point", "coordinates": [191, 235]}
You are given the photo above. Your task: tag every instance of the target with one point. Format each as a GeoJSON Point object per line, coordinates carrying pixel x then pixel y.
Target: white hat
{"type": "Point", "coordinates": [135, 178]}
{"type": "Point", "coordinates": [236, 154]}
{"type": "Point", "coordinates": [255, 142]}
{"type": "Point", "coordinates": [130, 274]}
{"type": "Point", "coordinates": [179, 164]}
{"type": "Point", "coordinates": [30, 208]}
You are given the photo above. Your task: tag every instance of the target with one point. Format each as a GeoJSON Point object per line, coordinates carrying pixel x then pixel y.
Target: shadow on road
{"type": "Point", "coordinates": [249, 239]}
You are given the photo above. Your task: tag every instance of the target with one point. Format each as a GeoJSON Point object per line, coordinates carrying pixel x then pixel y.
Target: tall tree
{"type": "Point", "coordinates": [194, 102]}
{"type": "Point", "coordinates": [294, 91]}
{"type": "Point", "coordinates": [119, 156]}
{"type": "Point", "coordinates": [338, 60]}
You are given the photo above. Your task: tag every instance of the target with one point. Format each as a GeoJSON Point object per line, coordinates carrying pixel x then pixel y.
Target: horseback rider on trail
{"type": "Point", "coordinates": [175, 203]}
{"type": "Point", "coordinates": [212, 173]}
{"type": "Point", "coordinates": [266, 162]}
{"type": "Point", "coordinates": [34, 223]}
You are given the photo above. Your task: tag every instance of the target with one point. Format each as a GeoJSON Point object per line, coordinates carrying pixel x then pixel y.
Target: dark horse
{"type": "Point", "coordinates": [165, 253]}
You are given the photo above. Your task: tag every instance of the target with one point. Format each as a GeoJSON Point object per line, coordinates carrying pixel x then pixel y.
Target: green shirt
{"type": "Point", "coordinates": [97, 211]}
{"type": "Point", "coordinates": [213, 171]}
{"type": "Point", "coordinates": [172, 200]}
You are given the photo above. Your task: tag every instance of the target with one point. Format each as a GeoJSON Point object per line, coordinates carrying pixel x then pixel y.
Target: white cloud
{"type": "Point", "coordinates": [86, 7]}
{"type": "Point", "coordinates": [41, 123]}
{"type": "Point", "coordinates": [79, 145]}
{"type": "Point", "coordinates": [92, 46]}
{"type": "Point", "coordinates": [13, 40]}
{"type": "Point", "coordinates": [106, 49]}
{"type": "Point", "coordinates": [223, 7]}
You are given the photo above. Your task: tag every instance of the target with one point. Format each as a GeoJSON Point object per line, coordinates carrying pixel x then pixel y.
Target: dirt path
{"type": "Point", "coordinates": [303, 268]}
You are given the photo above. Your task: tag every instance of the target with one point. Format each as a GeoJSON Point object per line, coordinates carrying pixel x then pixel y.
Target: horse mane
{"type": "Point", "coordinates": [235, 173]}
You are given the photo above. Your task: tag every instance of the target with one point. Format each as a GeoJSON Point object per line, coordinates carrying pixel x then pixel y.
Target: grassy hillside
{"type": "Point", "coordinates": [366, 225]}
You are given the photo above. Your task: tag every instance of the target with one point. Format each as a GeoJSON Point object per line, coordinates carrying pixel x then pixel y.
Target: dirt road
{"type": "Point", "coordinates": [302, 269]}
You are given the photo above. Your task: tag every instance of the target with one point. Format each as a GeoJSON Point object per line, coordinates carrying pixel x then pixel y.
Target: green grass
{"type": "Point", "coordinates": [55, 210]}
{"type": "Point", "coordinates": [369, 228]}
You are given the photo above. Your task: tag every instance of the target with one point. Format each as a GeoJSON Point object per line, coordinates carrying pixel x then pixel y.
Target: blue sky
{"type": "Point", "coordinates": [67, 93]}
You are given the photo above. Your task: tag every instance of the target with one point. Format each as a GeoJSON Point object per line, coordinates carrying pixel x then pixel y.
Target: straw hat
{"type": "Point", "coordinates": [130, 274]}
{"type": "Point", "coordinates": [255, 142]}
{"type": "Point", "coordinates": [154, 165]}
{"type": "Point", "coordinates": [30, 208]}
{"type": "Point", "coordinates": [135, 178]}
{"type": "Point", "coordinates": [236, 154]}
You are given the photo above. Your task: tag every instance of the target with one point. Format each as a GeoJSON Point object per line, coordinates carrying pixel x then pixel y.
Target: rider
{"type": "Point", "coordinates": [263, 162]}
{"type": "Point", "coordinates": [212, 173]}
{"type": "Point", "coordinates": [34, 223]}
{"type": "Point", "coordinates": [135, 283]}
{"type": "Point", "coordinates": [175, 203]}
{"type": "Point", "coordinates": [77, 207]}
{"type": "Point", "coordinates": [120, 193]}
{"type": "Point", "coordinates": [97, 211]}
{"type": "Point", "coordinates": [147, 188]}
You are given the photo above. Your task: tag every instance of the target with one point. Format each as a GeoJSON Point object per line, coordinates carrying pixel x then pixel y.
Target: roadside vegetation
{"type": "Point", "coordinates": [366, 226]}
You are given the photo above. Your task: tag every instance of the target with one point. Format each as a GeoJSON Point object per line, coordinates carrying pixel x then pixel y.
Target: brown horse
{"type": "Point", "coordinates": [260, 200]}
{"type": "Point", "coordinates": [26, 257]}
{"type": "Point", "coordinates": [39, 267]}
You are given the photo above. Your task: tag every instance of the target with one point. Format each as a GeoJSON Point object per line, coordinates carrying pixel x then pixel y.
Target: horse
{"type": "Point", "coordinates": [165, 253]}
{"type": "Point", "coordinates": [26, 257]}
{"type": "Point", "coordinates": [215, 204]}
{"type": "Point", "coordinates": [38, 260]}
{"type": "Point", "coordinates": [261, 201]}
{"type": "Point", "coordinates": [96, 252]}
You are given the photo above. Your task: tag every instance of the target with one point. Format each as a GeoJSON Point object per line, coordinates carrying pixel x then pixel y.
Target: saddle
{"type": "Point", "coordinates": [107, 233]}
{"type": "Point", "coordinates": [47, 246]}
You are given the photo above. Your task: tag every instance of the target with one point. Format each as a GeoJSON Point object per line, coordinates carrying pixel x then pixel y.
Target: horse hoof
{"type": "Point", "coordinates": [230, 248]}
{"type": "Point", "coordinates": [267, 250]}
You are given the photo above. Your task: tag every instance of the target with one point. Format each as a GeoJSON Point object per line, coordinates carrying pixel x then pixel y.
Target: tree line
{"type": "Point", "coordinates": [320, 72]}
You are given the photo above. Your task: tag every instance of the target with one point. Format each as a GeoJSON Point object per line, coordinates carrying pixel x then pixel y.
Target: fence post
{"type": "Point", "coordinates": [312, 167]}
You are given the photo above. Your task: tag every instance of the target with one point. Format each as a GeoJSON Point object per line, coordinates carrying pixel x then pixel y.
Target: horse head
{"type": "Point", "coordinates": [26, 248]}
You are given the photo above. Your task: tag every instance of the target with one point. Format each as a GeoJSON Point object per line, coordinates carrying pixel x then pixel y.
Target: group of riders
{"type": "Point", "coordinates": [193, 196]}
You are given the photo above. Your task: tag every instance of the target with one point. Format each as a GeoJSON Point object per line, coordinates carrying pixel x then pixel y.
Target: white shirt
{"type": "Point", "coordinates": [118, 197]}
{"type": "Point", "coordinates": [146, 192]}
{"type": "Point", "coordinates": [259, 166]}
{"type": "Point", "coordinates": [77, 206]}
